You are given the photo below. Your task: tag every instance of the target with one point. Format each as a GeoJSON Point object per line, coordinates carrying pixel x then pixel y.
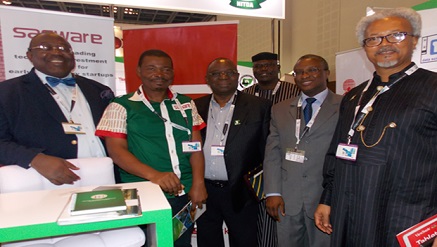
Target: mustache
{"type": "Point", "coordinates": [386, 49]}
{"type": "Point", "coordinates": [266, 72]}
{"type": "Point", "coordinates": [159, 79]}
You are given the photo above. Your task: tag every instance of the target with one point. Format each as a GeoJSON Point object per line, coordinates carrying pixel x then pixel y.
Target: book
{"type": "Point", "coordinates": [423, 234]}
{"type": "Point", "coordinates": [97, 202]}
{"type": "Point", "coordinates": [133, 209]}
{"type": "Point", "coordinates": [185, 218]}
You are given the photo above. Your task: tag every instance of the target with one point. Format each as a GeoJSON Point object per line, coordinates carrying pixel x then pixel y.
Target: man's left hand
{"type": "Point", "coordinates": [198, 195]}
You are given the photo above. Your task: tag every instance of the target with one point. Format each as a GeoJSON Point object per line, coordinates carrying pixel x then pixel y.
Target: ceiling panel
{"type": "Point", "coordinates": [120, 14]}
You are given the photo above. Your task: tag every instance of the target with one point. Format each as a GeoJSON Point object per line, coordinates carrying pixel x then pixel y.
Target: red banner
{"type": "Point", "coordinates": [192, 48]}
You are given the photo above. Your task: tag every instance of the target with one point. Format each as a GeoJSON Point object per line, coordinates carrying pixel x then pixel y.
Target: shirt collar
{"type": "Point", "coordinates": [320, 97]}
{"type": "Point", "coordinates": [394, 76]}
{"type": "Point", "coordinates": [227, 103]}
{"type": "Point", "coordinates": [136, 96]}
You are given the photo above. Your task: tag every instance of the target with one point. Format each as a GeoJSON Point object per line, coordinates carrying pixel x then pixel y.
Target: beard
{"type": "Point", "coordinates": [389, 63]}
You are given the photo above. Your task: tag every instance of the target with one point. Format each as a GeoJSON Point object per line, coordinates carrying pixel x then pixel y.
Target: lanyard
{"type": "Point", "coordinates": [298, 120]}
{"type": "Point", "coordinates": [61, 102]}
{"type": "Point", "coordinates": [273, 92]}
{"type": "Point", "coordinates": [358, 117]}
{"type": "Point", "coordinates": [227, 119]}
{"type": "Point", "coordinates": [174, 125]}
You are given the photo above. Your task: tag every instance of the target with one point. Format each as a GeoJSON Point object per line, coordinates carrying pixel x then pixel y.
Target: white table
{"type": "Point", "coordinates": [29, 215]}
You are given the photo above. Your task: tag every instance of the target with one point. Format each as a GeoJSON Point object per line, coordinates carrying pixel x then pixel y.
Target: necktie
{"type": "Point", "coordinates": [53, 81]}
{"type": "Point", "coordinates": [308, 110]}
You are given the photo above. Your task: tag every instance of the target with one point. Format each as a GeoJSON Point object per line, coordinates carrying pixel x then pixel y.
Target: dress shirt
{"type": "Point", "coordinates": [320, 97]}
{"type": "Point", "coordinates": [89, 145]}
{"type": "Point", "coordinates": [215, 167]}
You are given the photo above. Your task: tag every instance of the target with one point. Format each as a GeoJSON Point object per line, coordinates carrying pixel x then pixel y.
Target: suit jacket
{"type": "Point", "coordinates": [299, 183]}
{"type": "Point", "coordinates": [30, 119]}
{"type": "Point", "coordinates": [244, 148]}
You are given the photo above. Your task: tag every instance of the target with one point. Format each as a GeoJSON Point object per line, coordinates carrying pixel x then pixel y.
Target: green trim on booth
{"type": "Point", "coordinates": [245, 64]}
{"type": "Point", "coordinates": [119, 59]}
{"type": "Point", "coordinates": [161, 219]}
{"type": "Point", "coordinates": [426, 5]}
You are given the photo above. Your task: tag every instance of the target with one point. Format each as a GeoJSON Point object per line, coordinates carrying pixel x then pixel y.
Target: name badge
{"type": "Point", "coordinates": [295, 155]}
{"type": "Point", "coordinates": [190, 147]}
{"type": "Point", "coordinates": [217, 150]}
{"type": "Point", "coordinates": [73, 128]}
{"type": "Point", "coordinates": [347, 151]}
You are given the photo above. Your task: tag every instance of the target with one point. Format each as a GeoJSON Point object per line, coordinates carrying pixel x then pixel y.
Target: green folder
{"type": "Point", "coordinates": [97, 202]}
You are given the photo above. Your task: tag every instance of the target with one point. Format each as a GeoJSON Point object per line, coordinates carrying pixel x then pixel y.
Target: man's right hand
{"type": "Point", "coordinates": [168, 181]}
{"type": "Point", "coordinates": [321, 218]}
{"type": "Point", "coordinates": [274, 204]}
{"type": "Point", "coordinates": [56, 170]}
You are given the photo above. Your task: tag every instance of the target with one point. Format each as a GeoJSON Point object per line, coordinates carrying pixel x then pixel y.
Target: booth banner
{"type": "Point", "coordinates": [92, 39]}
{"type": "Point", "coordinates": [353, 67]}
{"type": "Point", "coordinates": [425, 54]}
{"type": "Point", "coordinates": [256, 8]}
{"type": "Point", "coordinates": [191, 46]}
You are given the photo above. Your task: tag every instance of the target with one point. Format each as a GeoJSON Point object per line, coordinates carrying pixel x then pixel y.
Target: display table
{"type": "Point", "coordinates": [29, 215]}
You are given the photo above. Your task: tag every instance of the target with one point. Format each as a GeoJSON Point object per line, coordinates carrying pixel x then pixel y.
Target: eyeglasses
{"type": "Point", "coordinates": [391, 38]}
{"type": "Point", "coordinates": [310, 71]}
{"type": "Point", "coordinates": [264, 65]}
{"type": "Point", "coordinates": [51, 48]}
{"type": "Point", "coordinates": [228, 73]}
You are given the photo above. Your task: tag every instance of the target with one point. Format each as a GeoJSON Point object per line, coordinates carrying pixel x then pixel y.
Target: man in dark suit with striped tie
{"type": "Point", "coordinates": [380, 173]}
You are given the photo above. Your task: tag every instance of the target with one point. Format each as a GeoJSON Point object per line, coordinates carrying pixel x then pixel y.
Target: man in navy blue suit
{"type": "Point", "coordinates": [50, 114]}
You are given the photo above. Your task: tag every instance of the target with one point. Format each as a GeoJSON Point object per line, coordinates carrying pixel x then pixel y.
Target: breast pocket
{"type": "Point", "coordinates": [376, 155]}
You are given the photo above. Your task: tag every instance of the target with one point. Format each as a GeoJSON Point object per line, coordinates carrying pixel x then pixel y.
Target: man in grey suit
{"type": "Point", "coordinates": [301, 129]}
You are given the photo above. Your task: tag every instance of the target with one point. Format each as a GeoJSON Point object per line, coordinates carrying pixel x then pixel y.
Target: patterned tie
{"type": "Point", "coordinates": [308, 110]}
{"type": "Point", "coordinates": [53, 81]}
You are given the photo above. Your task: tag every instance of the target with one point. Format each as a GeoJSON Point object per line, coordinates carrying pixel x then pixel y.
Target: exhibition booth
{"type": "Point", "coordinates": [192, 47]}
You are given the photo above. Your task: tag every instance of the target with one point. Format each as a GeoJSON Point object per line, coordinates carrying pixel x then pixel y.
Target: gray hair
{"type": "Point", "coordinates": [406, 13]}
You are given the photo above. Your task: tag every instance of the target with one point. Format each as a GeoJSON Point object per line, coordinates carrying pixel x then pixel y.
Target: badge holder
{"type": "Point", "coordinates": [72, 128]}
{"type": "Point", "coordinates": [190, 147]}
{"type": "Point", "coordinates": [295, 155]}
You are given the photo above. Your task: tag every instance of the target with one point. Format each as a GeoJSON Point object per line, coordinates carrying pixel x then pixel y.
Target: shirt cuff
{"type": "Point", "coordinates": [273, 194]}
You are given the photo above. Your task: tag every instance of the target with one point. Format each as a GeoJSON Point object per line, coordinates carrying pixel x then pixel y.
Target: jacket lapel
{"type": "Point", "coordinates": [35, 87]}
{"type": "Point", "coordinates": [292, 110]}
{"type": "Point", "coordinates": [238, 118]}
{"type": "Point", "coordinates": [329, 107]}
{"type": "Point", "coordinates": [203, 110]}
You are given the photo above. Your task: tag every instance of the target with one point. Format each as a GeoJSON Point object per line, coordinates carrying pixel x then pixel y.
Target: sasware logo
{"type": "Point", "coordinates": [75, 37]}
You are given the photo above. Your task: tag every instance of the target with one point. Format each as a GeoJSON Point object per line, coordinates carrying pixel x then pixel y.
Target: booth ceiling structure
{"type": "Point", "coordinates": [120, 14]}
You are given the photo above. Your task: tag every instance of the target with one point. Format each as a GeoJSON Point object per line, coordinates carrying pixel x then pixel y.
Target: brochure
{"type": "Point", "coordinates": [185, 218]}
{"type": "Point", "coordinates": [423, 234]}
